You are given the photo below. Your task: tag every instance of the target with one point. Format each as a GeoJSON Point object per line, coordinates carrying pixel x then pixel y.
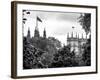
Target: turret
{"type": "Point", "coordinates": [82, 35]}
{"type": "Point", "coordinates": [44, 33]}
{"type": "Point", "coordinates": [72, 35]}
{"type": "Point", "coordinates": [36, 32]}
{"type": "Point", "coordinates": [67, 35]}
{"type": "Point", "coordinates": [76, 35]}
{"type": "Point", "coordinates": [28, 33]}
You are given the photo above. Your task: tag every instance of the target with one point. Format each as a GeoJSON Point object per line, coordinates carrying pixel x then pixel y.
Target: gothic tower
{"type": "Point", "coordinates": [36, 32]}
{"type": "Point", "coordinates": [76, 43]}
{"type": "Point", "coordinates": [44, 33]}
{"type": "Point", "coordinates": [28, 33]}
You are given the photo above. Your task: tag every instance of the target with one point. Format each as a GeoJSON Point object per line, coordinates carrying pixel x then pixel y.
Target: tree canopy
{"type": "Point", "coordinates": [85, 21]}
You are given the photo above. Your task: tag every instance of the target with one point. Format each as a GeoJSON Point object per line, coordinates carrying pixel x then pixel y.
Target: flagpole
{"type": "Point", "coordinates": [37, 19]}
{"type": "Point", "coordinates": [72, 30]}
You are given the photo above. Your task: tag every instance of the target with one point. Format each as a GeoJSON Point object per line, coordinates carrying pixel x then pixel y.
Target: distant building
{"type": "Point", "coordinates": [49, 41]}
{"type": "Point", "coordinates": [37, 34]}
{"type": "Point", "coordinates": [76, 43]}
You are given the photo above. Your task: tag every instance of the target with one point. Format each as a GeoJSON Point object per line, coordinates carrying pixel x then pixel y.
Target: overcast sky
{"type": "Point", "coordinates": [57, 24]}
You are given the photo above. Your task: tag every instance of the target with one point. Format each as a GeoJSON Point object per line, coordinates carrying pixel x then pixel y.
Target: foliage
{"type": "Point", "coordinates": [85, 21]}
{"type": "Point", "coordinates": [42, 53]}
{"type": "Point", "coordinates": [87, 52]}
{"type": "Point", "coordinates": [64, 58]}
{"type": "Point", "coordinates": [37, 52]}
{"type": "Point", "coordinates": [31, 56]}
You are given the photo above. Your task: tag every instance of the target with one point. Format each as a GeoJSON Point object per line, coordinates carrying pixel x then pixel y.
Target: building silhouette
{"type": "Point", "coordinates": [76, 43]}
{"type": "Point", "coordinates": [37, 34]}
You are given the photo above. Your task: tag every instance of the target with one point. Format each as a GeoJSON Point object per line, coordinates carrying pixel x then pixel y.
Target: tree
{"type": "Point", "coordinates": [27, 54]}
{"type": "Point", "coordinates": [85, 21]}
{"type": "Point", "coordinates": [64, 58]}
{"type": "Point", "coordinates": [31, 55]}
{"type": "Point", "coordinates": [87, 53]}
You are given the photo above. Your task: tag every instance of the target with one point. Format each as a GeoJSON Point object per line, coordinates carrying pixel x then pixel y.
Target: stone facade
{"type": "Point", "coordinates": [76, 43]}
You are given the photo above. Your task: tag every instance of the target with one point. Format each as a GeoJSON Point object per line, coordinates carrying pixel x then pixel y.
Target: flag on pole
{"type": "Point", "coordinates": [39, 19]}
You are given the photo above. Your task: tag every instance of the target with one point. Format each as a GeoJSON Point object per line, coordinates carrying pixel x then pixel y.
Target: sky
{"type": "Point", "coordinates": [57, 24]}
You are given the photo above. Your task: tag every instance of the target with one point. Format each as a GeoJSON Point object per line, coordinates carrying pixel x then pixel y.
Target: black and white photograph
{"type": "Point", "coordinates": [56, 39]}
{"type": "Point", "coordinates": [53, 39]}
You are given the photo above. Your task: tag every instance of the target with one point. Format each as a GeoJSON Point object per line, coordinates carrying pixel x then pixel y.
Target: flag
{"type": "Point", "coordinates": [39, 19]}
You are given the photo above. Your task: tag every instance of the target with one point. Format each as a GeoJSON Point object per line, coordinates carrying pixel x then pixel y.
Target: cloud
{"type": "Point", "coordinates": [57, 24]}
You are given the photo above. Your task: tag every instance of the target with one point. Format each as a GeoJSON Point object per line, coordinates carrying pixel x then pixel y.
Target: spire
{"type": "Point", "coordinates": [67, 35]}
{"type": "Point", "coordinates": [44, 33]}
{"type": "Point", "coordinates": [36, 32]}
{"type": "Point", "coordinates": [73, 30]}
{"type": "Point", "coordinates": [82, 35]}
{"type": "Point", "coordinates": [28, 33]}
{"type": "Point", "coordinates": [36, 28]}
{"type": "Point", "coordinates": [76, 34]}
{"type": "Point", "coordinates": [72, 34]}
{"type": "Point", "coordinates": [86, 36]}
